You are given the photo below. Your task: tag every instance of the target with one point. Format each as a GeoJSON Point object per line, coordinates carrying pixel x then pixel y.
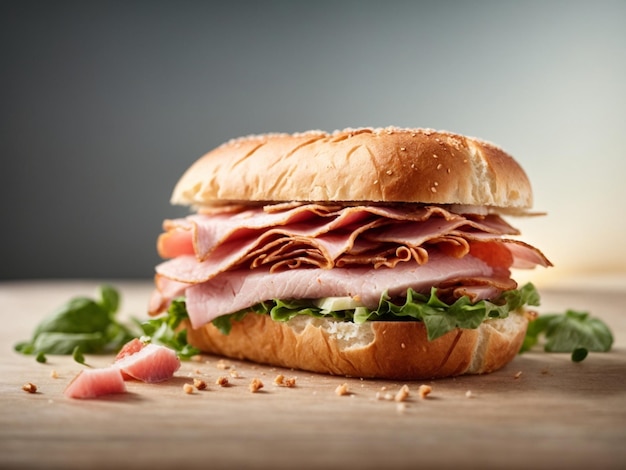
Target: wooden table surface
{"type": "Point", "coordinates": [541, 411]}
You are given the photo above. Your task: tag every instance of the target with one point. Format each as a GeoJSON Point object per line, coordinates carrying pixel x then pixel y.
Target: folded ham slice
{"type": "Point", "coordinates": [229, 260]}
{"type": "Point", "coordinates": [239, 289]}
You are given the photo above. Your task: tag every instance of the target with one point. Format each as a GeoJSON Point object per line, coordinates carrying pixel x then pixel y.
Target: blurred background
{"type": "Point", "coordinates": [104, 104]}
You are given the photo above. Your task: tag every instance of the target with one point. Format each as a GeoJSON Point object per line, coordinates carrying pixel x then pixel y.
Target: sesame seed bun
{"type": "Point", "coordinates": [389, 165]}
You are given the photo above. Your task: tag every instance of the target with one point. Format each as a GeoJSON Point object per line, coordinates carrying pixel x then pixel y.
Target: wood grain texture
{"type": "Point", "coordinates": [541, 411]}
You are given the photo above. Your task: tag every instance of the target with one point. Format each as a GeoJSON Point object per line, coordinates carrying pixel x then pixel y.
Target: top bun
{"type": "Point", "coordinates": [389, 165]}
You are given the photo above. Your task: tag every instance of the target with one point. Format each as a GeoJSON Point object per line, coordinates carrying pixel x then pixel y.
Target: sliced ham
{"type": "Point", "coordinates": [237, 290]}
{"type": "Point", "coordinates": [207, 233]}
{"type": "Point", "coordinates": [151, 363]}
{"type": "Point", "coordinates": [229, 260]}
{"type": "Point", "coordinates": [93, 383]}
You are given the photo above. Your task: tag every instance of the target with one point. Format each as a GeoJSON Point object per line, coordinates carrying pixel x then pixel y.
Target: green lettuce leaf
{"type": "Point", "coordinates": [438, 316]}
{"type": "Point", "coordinates": [165, 330]}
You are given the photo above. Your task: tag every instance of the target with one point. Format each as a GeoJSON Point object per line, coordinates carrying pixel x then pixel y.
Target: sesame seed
{"type": "Point", "coordinates": [439, 166]}
{"type": "Point", "coordinates": [433, 189]}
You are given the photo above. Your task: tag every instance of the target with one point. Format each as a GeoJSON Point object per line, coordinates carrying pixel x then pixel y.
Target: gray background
{"type": "Point", "coordinates": [104, 104]}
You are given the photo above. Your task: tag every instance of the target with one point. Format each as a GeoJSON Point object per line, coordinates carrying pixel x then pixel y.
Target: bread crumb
{"type": "Point", "coordinates": [29, 387]}
{"type": "Point", "coordinates": [424, 391]}
{"type": "Point", "coordinates": [188, 388]}
{"type": "Point", "coordinates": [222, 365]}
{"type": "Point", "coordinates": [256, 385]}
{"type": "Point", "coordinates": [234, 373]}
{"type": "Point", "coordinates": [199, 384]}
{"type": "Point", "coordinates": [518, 375]}
{"type": "Point", "coordinates": [384, 396]}
{"type": "Point", "coordinates": [402, 394]}
{"type": "Point", "coordinates": [342, 390]}
{"type": "Point", "coordinates": [222, 381]}
{"type": "Point", "coordinates": [469, 394]}
{"type": "Point", "coordinates": [54, 374]}
{"type": "Point", "coordinates": [282, 381]}
{"type": "Point", "coordinates": [545, 371]}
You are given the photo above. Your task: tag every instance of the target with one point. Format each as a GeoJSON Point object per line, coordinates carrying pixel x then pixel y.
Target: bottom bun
{"type": "Point", "coordinates": [386, 350]}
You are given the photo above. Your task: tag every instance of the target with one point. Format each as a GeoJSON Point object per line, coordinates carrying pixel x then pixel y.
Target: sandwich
{"type": "Point", "coordinates": [371, 253]}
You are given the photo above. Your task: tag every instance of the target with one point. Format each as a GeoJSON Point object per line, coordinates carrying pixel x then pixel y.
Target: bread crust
{"type": "Point", "coordinates": [388, 165]}
{"type": "Point", "coordinates": [386, 350]}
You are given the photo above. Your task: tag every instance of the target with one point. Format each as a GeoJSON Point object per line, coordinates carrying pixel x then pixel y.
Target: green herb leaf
{"type": "Point", "coordinates": [109, 298]}
{"type": "Point", "coordinates": [579, 354]}
{"type": "Point", "coordinates": [574, 332]}
{"type": "Point", "coordinates": [80, 322]}
{"type": "Point", "coordinates": [78, 355]}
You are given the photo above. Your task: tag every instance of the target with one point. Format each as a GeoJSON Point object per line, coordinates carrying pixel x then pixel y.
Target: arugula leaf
{"type": "Point", "coordinates": [438, 317]}
{"type": "Point", "coordinates": [81, 322]}
{"type": "Point", "coordinates": [574, 332]}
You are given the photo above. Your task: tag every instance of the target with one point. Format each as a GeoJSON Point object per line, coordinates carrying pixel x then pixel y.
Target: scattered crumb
{"type": "Point", "coordinates": [198, 371]}
{"type": "Point", "coordinates": [199, 384]}
{"type": "Point", "coordinates": [234, 373]}
{"type": "Point", "coordinates": [54, 374]}
{"type": "Point", "coordinates": [342, 390]}
{"type": "Point", "coordinates": [282, 381]}
{"type": "Point", "coordinates": [402, 394]}
{"type": "Point", "coordinates": [469, 394]}
{"type": "Point", "coordinates": [384, 396]}
{"type": "Point", "coordinates": [222, 381]}
{"type": "Point", "coordinates": [401, 407]}
{"type": "Point", "coordinates": [545, 371]}
{"type": "Point", "coordinates": [222, 365]}
{"type": "Point", "coordinates": [424, 390]}
{"type": "Point", "coordinates": [188, 388]}
{"type": "Point", "coordinates": [518, 375]}
{"type": "Point", "coordinates": [256, 385]}
{"type": "Point", "coordinates": [197, 358]}
{"type": "Point", "coordinates": [29, 387]}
